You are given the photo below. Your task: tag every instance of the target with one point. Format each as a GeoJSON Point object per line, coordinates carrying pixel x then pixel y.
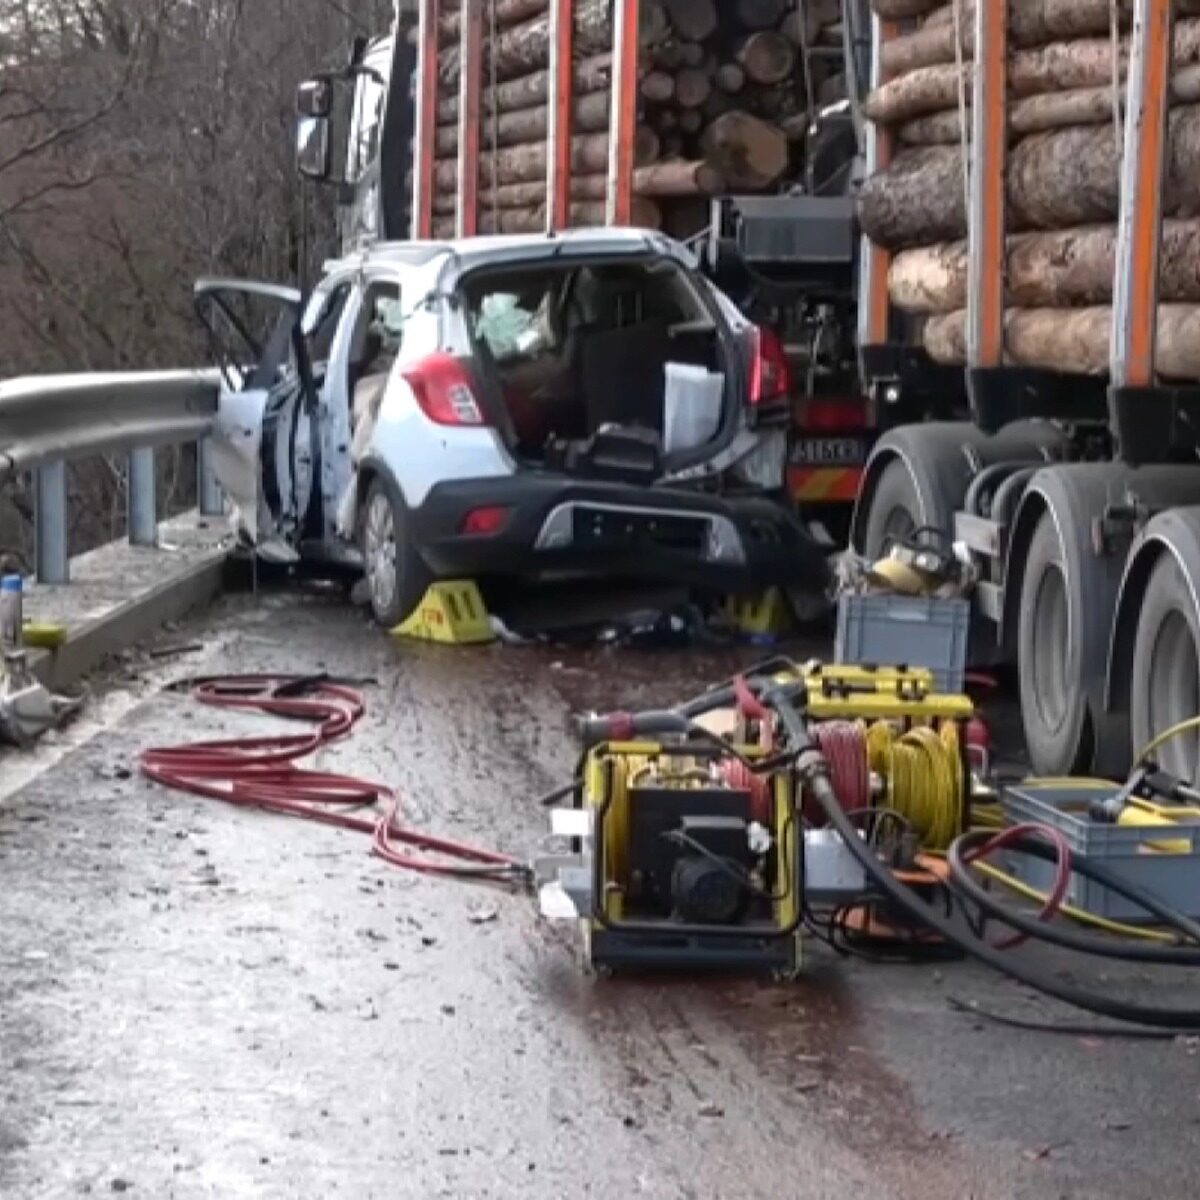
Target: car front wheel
{"type": "Point", "coordinates": [396, 575]}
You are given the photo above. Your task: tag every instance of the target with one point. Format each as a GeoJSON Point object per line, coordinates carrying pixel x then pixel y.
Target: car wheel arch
{"type": "Point", "coordinates": [371, 468]}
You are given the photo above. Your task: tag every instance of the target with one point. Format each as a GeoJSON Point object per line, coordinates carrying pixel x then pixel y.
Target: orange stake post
{"type": "Point", "coordinates": [986, 242]}
{"type": "Point", "coordinates": [426, 125]}
{"type": "Point", "coordinates": [623, 126]}
{"type": "Point", "coordinates": [562, 100]}
{"type": "Point", "coordinates": [1135, 288]}
{"type": "Point", "coordinates": [470, 89]}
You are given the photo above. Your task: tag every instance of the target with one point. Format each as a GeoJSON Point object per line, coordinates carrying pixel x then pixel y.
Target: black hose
{"type": "Point", "coordinates": [560, 793]}
{"type": "Point", "coordinates": [971, 1009]}
{"type": "Point", "coordinates": [1083, 943]}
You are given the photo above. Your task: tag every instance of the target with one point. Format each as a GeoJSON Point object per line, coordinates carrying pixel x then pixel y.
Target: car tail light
{"type": "Point", "coordinates": [443, 390]}
{"type": "Point", "coordinates": [770, 374]}
{"type": "Point", "coordinates": [834, 414]}
{"type": "Point", "coordinates": [485, 521]}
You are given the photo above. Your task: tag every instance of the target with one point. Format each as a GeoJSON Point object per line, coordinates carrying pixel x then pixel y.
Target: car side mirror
{"type": "Point", "coordinates": [313, 158]}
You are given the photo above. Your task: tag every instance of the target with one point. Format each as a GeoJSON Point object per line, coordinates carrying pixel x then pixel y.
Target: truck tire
{"type": "Point", "coordinates": [895, 510]}
{"type": "Point", "coordinates": [1165, 678]}
{"type": "Point", "coordinates": [1054, 708]}
{"type": "Point", "coordinates": [396, 575]}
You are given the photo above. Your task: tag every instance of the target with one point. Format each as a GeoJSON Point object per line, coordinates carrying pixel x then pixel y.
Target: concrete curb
{"type": "Point", "coordinates": [122, 594]}
{"type": "Point", "coordinates": [90, 644]}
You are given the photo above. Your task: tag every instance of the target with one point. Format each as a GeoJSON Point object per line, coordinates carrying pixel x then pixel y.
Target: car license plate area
{"type": "Point", "coordinates": [605, 529]}
{"type": "Point", "coordinates": [829, 452]}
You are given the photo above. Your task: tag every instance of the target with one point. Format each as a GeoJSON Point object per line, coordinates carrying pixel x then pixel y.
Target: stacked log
{"type": "Point", "coordinates": [725, 96]}
{"type": "Point", "coordinates": [1066, 72]}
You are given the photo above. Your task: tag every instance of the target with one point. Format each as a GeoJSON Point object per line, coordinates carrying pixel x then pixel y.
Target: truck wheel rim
{"type": "Point", "coordinates": [381, 553]}
{"type": "Point", "coordinates": [1175, 693]}
{"type": "Point", "coordinates": [1049, 649]}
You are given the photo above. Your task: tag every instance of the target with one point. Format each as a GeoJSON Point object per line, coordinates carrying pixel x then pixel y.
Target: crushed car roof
{"type": "Point", "coordinates": [474, 250]}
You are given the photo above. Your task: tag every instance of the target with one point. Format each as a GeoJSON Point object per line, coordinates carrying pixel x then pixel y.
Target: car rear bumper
{"type": "Point", "coordinates": [554, 525]}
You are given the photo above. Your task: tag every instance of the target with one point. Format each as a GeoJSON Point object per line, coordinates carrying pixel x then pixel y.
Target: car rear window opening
{"type": "Point", "coordinates": [573, 349]}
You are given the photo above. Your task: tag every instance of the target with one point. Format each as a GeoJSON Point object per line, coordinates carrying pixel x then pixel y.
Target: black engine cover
{"type": "Point", "coordinates": [717, 820]}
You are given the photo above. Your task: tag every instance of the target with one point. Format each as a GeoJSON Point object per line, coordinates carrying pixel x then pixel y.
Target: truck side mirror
{"type": "Point", "coordinates": [314, 98]}
{"type": "Point", "coordinates": [313, 147]}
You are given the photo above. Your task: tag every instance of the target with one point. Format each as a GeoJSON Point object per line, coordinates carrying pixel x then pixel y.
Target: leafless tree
{"type": "Point", "coordinates": [144, 143]}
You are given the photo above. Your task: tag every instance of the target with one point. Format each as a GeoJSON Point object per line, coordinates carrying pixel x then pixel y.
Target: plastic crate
{"type": "Point", "coordinates": [910, 631]}
{"type": "Point", "coordinates": [1129, 851]}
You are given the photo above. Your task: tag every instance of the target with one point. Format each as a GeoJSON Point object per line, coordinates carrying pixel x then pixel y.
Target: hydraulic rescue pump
{"type": "Point", "coordinates": [694, 828]}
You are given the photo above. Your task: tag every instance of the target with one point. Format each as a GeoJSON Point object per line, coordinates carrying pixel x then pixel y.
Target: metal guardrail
{"type": "Point", "coordinates": [49, 420]}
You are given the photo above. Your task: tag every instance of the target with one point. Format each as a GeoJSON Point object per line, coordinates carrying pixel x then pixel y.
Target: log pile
{"type": "Point", "coordinates": [725, 96]}
{"type": "Point", "coordinates": [1062, 186]}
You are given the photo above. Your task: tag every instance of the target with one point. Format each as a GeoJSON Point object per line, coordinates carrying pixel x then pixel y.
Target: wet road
{"type": "Point", "coordinates": [201, 1002]}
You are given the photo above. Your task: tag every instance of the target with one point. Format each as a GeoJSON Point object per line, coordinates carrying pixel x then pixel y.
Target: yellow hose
{"type": "Point", "coordinates": [924, 775]}
{"type": "Point", "coordinates": [1166, 736]}
{"type": "Point", "coordinates": [1076, 914]}
{"type": "Point", "coordinates": [987, 816]}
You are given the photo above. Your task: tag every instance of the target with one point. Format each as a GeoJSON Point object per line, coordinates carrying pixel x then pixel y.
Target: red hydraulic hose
{"type": "Point", "coordinates": [843, 743]}
{"type": "Point", "coordinates": [261, 772]}
{"type": "Point", "coordinates": [749, 705]}
{"type": "Point", "coordinates": [1062, 870]}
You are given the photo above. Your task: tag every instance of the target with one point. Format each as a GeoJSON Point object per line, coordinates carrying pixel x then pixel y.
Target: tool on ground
{"type": "Point", "coordinates": [693, 848]}
{"type": "Point", "coordinates": [28, 709]}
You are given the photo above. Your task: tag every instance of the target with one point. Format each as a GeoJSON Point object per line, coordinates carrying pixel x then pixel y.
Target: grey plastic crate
{"type": "Point", "coordinates": [908, 631]}
{"type": "Point", "coordinates": [1127, 851]}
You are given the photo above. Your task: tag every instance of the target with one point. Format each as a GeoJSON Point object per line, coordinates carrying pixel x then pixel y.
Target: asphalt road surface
{"type": "Point", "coordinates": [197, 1001]}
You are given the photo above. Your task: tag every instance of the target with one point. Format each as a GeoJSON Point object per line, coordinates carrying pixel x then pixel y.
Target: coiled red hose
{"type": "Point", "coordinates": [844, 745]}
{"type": "Point", "coordinates": [260, 772]}
{"type": "Point", "coordinates": [739, 776]}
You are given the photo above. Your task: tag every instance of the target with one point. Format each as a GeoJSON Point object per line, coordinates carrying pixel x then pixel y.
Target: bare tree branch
{"type": "Point", "coordinates": [65, 132]}
{"type": "Point", "coordinates": [48, 189]}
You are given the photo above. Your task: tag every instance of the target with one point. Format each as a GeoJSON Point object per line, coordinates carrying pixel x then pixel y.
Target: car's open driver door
{"type": "Point", "coordinates": [264, 443]}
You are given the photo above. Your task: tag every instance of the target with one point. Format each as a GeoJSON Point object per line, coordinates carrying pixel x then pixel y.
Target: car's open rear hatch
{"type": "Point", "coordinates": [612, 369]}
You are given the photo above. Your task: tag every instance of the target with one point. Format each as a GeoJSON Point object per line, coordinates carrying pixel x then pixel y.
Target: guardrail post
{"type": "Point", "coordinates": [50, 524]}
{"type": "Point", "coordinates": [209, 499]}
{"type": "Point", "coordinates": [141, 504]}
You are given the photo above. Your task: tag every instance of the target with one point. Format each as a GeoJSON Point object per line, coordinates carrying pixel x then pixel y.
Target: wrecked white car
{"type": "Point", "coordinates": [584, 404]}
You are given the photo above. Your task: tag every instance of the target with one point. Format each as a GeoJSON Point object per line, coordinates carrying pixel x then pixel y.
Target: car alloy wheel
{"type": "Point", "coordinates": [379, 550]}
